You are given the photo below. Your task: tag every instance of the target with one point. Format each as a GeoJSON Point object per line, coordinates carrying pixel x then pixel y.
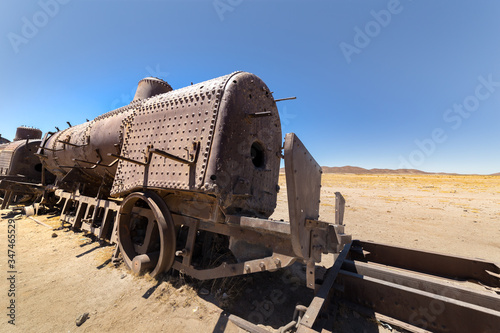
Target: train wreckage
{"type": "Point", "coordinates": [180, 177]}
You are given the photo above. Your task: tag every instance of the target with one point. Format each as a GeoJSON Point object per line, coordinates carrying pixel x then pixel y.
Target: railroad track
{"type": "Point", "coordinates": [413, 290]}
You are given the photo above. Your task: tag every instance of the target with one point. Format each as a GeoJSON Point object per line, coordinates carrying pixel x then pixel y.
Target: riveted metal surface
{"type": "Point", "coordinates": [72, 153]}
{"type": "Point", "coordinates": [221, 137]}
{"type": "Point", "coordinates": [17, 161]}
{"type": "Point", "coordinates": [23, 133]}
{"type": "Point", "coordinates": [7, 150]}
{"type": "Point", "coordinates": [172, 122]}
{"type": "Point", "coordinates": [244, 163]}
{"type": "Point", "coordinates": [61, 154]}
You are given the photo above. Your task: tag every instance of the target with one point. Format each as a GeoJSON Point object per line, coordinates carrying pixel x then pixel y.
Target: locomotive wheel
{"type": "Point", "coordinates": [146, 229]}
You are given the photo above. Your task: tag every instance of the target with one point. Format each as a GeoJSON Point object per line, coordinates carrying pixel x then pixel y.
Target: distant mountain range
{"type": "Point", "coordinates": [359, 171]}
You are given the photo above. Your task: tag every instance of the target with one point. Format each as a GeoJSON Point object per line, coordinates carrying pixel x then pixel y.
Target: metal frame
{"type": "Point", "coordinates": [304, 238]}
{"type": "Point", "coordinates": [87, 210]}
{"type": "Point", "coordinates": [13, 188]}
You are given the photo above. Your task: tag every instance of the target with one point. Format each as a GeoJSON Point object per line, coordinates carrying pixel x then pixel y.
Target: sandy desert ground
{"type": "Point", "coordinates": [459, 215]}
{"type": "Point", "coordinates": [60, 278]}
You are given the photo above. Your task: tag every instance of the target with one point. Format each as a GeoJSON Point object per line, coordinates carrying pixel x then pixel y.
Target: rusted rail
{"type": "Point", "coordinates": [415, 290]}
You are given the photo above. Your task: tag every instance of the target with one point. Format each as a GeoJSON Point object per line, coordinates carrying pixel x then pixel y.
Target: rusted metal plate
{"type": "Point", "coordinates": [6, 156]}
{"type": "Point", "coordinates": [339, 208]}
{"type": "Point", "coordinates": [279, 242]}
{"type": "Point", "coordinates": [171, 122]}
{"type": "Point", "coordinates": [431, 263]}
{"type": "Point", "coordinates": [414, 301]}
{"type": "Point", "coordinates": [225, 270]}
{"type": "Point", "coordinates": [80, 153]}
{"type": "Point", "coordinates": [383, 318]}
{"type": "Point", "coordinates": [419, 308]}
{"type": "Point", "coordinates": [424, 283]}
{"type": "Point", "coordinates": [243, 167]}
{"type": "Point", "coordinates": [262, 224]}
{"type": "Point", "coordinates": [303, 179]}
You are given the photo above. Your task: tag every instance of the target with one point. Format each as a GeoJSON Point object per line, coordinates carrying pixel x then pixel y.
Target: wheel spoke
{"type": "Point", "coordinates": [148, 238]}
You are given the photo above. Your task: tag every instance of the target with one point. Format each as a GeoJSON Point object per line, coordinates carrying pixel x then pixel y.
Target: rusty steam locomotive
{"type": "Point", "coordinates": [178, 174]}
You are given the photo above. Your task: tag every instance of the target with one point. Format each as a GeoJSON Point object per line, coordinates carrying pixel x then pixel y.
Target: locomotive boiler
{"type": "Point", "coordinates": [221, 138]}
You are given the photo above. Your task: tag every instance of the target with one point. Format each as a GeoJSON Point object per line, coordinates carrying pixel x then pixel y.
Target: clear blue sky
{"type": "Point", "coordinates": [379, 84]}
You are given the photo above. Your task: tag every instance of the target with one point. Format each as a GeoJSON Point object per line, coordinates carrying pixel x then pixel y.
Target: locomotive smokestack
{"type": "Point", "coordinates": [23, 133]}
{"type": "Point", "coordinates": [151, 86]}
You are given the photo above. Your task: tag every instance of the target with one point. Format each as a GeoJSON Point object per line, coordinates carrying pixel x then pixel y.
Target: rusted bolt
{"type": "Point", "coordinates": [247, 269]}
{"type": "Point", "coordinates": [181, 253]}
{"type": "Point", "coordinates": [277, 261]}
{"type": "Point", "coordinates": [262, 266]}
